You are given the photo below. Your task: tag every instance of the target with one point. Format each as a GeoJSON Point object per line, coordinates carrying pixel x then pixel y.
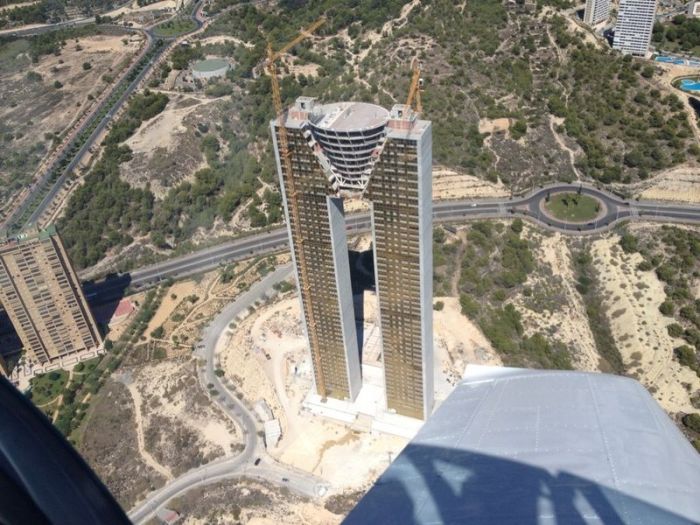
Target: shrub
{"type": "Point", "coordinates": [470, 307]}
{"type": "Point", "coordinates": [675, 330]}
{"type": "Point", "coordinates": [517, 225]}
{"type": "Point", "coordinates": [686, 356]}
{"type": "Point", "coordinates": [628, 243]}
{"type": "Point", "coordinates": [158, 332]}
{"type": "Point", "coordinates": [87, 66]}
{"type": "Point", "coordinates": [219, 372]}
{"type": "Point", "coordinates": [667, 308]}
{"type": "Point", "coordinates": [439, 305]}
{"type": "Point", "coordinates": [692, 422]}
{"type": "Point", "coordinates": [57, 84]}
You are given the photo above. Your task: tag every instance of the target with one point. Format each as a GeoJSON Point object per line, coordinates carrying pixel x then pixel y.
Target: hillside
{"type": "Point", "coordinates": [517, 98]}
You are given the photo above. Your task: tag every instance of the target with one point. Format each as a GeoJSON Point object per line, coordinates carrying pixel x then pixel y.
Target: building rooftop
{"type": "Point", "coordinates": [211, 64]}
{"type": "Point", "coordinates": [512, 446]}
{"type": "Point", "coordinates": [29, 235]}
{"type": "Point", "coordinates": [349, 116]}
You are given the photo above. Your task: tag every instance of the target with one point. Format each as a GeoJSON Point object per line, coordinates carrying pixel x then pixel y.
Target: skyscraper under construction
{"type": "Point", "coordinates": [41, 294]}
{"type": "Point", "coordinates": [346, 148]}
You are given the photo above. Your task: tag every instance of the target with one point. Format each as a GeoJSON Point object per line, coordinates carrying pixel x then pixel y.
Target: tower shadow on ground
{"type": "Point", "coordinates": [362, 279]}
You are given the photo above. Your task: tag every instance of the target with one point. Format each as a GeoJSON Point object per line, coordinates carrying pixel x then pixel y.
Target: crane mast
{"type": "Point", "coordinates": [292, 195]}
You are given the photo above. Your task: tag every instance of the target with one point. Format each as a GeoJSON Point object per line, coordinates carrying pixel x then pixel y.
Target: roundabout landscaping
{"type": "Point", "coordinates": [573, 207]}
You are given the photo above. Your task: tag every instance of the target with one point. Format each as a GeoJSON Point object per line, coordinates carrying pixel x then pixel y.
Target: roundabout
{"type": "Point", "coordinates": [573, 207]}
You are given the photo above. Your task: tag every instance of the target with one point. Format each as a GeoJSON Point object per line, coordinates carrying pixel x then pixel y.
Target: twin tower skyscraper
{"type": "Point", "coordinates": [350, 148]}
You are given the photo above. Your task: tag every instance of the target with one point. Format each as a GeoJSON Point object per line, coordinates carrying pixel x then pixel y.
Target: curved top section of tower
{"type": "Point", "coordinates": [347, 138]}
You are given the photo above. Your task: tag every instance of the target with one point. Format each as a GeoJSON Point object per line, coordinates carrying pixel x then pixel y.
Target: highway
{"type": "Point", "coordinates": [242, 464]}
{"type": "Point", "coordinates": [56, 186]}
{"type": "Point", "coordinates": [614, 211]}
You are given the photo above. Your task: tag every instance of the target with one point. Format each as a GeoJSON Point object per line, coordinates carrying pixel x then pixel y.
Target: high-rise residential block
{"type": "Point", "coordinates": [350, 148]}
{"type": "Point", "coordinates": [41, 294]}
{"type": "Point", "coordinates": [635, 23]}
{"type": "Point", "coordinates": [596, 11]}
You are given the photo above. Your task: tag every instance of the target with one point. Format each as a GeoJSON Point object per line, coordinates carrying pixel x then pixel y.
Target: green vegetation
{"type": "Point", "coordinates": [674, 255]}
{"type": "Point", "coordinates": [90, 376]}
{"type": "Point", "coordinates": [692, 421]}
{"type": "Point", "coordinates": [103, 211]}
{"type": "Point", "coordinates": [611, 108]}
{"type": "Point", "coordinates": [493, 267]}
{"type": "Point", "coordinates": [175, 27]}
{"type": "Point", "coordinates": [681, 34]}
{"type": "Point", "coordinates": [573, 207]}
{"type": "Point", "coordinates": [80, 140]}
{"type": "Point", "coordinates": [47, 387]}
{"type": "Point", "coordinates": [611, 359]}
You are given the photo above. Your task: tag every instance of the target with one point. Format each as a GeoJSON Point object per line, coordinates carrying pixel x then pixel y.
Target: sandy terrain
{"type": "Point", "coordinates": [12, 6]}
{"type": "Point", "coordinates": [449, 184]}
{"type": "Point", "coordinates": [222, 39]}
{"type": "Point", "coordinates": [487, 125]}
{"type": "Point", "coordinates": [166, 150]}
{"type": "Point", "coordinates": [180, 290]}
{"type": "Point", "coordinates": [182, 428]}
{"type": "Point", "coordinates": [632, 298]}
{"type": "Point", "coordinates": [562, 314]}
{"type": "Point", "coordinates": [34, 108]}
{"type": "Point", "coordinates": [680, 184]}
{"type": "Point", "coordinates": [459, 342]}
{"type": "Point", "coordinates": [134, 8]}
{"type": "Point", "coordinates": [251, 502]}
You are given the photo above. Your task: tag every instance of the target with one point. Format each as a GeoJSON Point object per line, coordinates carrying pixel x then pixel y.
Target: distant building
{"type": "Point", "coordinates": [273, 432]}
{"type": "Point", "coordinates": [635, 23]}
{"type": "Point", "coordinates": [263, 410]}
{"type": "Point", "coordinates": [210, 68]}
{"type": "Point", "coordinates": [694, 8]}
{"type": "Point", "coordinates": [596, 11]}
{"type": "Point", "coordinates": [167, 516]}
{"type": "Point", "coordinates": [41, 294]}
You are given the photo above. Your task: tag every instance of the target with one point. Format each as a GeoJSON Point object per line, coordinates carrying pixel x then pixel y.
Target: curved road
{"type": "Point", "coordinates": [244, 463]}
{"type": "Point", "coordinates": [59, 156]}
{"type": "Point", "coordinates": [614, 209]}
{"type": "Point", "coordinates": [528, 207]}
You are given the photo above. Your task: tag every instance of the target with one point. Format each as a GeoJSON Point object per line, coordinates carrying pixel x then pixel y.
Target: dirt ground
{"type": "Point", "coordinates": [679, 184]}
{"type": "Point", "coordinates": [181, 428]}
{"type": "Point", "coordinates": [487, 125]}
{"type": "Point", "coordinates": [167, 149]}
{"type": "Point", "coordinates": [632, 298]}
{"type": "Point", "coordinates": [459, 342]}
{"type": "Point", "coordinates": [449, 184]}
{"type": "Point", "coordinates": [34, 107]}
{"type": "Point", "coordinates": [251, 502]}
{"type": "Point", "coordinates": [109, 446]}
{"type": "Point", "coordinates": [555, 307]}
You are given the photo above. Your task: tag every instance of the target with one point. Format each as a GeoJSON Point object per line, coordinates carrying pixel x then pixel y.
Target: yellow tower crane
{"type": "Point", "coordinates": [414, 90]}
{"type": "Point", "coordinates": [292, 201]}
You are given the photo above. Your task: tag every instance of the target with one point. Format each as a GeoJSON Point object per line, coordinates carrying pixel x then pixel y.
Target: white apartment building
{"type": "Point", "coordinates": [635, 23]}
{"type": "Point", "coordinates": [596, 11]}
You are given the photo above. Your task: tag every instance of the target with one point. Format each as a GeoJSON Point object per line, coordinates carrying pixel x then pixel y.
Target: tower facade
{"type": "Point", "coordinates": [596, 11]}
{"type": "Point", "coordinates": [341, 149]}
{"type": "Point", "coordinates": [635, 23]}
{"type": "Point", "coordinates": [41, 294]}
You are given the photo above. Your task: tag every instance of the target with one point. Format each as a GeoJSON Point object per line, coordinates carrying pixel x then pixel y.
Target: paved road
{"type": "Point", "coordinates": [528, 207]}
{"type": "Point", "coordinates": [244, 463]}
{"type": "Point", "coordinates": [77, 158]}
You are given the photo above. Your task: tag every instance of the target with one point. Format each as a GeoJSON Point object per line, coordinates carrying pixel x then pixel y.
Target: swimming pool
{"type": "Point", "coordinates": [690, 84]}
{"type": "Point", "coordinates": [670, 60]}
